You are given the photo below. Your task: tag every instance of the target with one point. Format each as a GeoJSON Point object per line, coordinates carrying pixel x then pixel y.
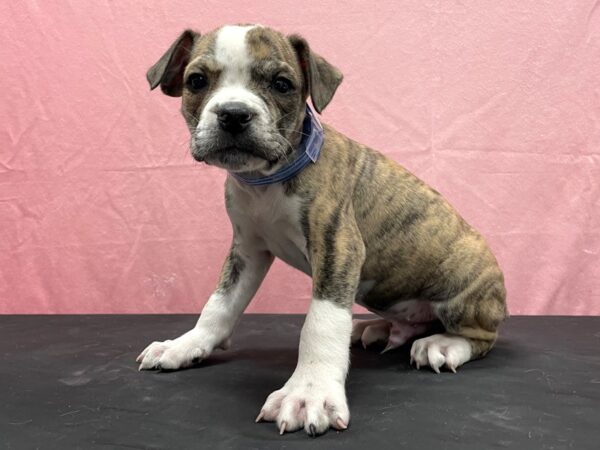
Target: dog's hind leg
{"type": "Point", "coordinates": [392, 333]}
{"type": "Point", "coordinates": [370, 331]}
{"type": "Point", "coordinates": [471, 320]}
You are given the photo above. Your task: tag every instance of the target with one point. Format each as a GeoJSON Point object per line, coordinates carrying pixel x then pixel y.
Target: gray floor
{"type": "Point", "coordinates": [71, 382]}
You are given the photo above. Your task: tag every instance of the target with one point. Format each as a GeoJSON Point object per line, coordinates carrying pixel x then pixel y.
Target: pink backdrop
{"type": "Point", "coordinates": [102, 209]}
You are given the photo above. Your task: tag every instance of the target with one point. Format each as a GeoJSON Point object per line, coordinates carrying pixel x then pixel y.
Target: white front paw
{"type": "Point", "coordinates": [174, 354]}
{"type": "Point", "coordinates": [312, 404]}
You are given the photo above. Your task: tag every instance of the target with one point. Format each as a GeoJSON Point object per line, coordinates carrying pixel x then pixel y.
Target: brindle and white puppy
{"type": "Point", "coordinates": [360, 225]}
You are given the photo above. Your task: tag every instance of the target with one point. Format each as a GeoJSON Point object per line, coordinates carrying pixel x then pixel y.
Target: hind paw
{"type": "Point", "coordinates": [440, 350]}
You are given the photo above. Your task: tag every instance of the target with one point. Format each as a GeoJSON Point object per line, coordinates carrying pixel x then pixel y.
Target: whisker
{"type": "Point", "coordinates": [293, 131]}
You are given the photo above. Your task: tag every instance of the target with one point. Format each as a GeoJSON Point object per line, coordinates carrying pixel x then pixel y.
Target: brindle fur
{"type": "Point", "coordinates": [230, 273]}
{"type": "Point", "coordinates": [364, 217]}
{"type": "Point", "coordinates": [415, 245]}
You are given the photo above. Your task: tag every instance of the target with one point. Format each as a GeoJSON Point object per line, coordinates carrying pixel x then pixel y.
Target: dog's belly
{"type": "Point", "coordinates": [411, 310]}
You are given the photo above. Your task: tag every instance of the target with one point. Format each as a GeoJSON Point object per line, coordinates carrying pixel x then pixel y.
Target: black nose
{"type": "Point", "coordinates": [234, 117]}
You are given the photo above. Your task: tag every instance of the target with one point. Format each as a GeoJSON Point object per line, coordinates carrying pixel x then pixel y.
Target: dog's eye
{"type": "Point", "coordinates": [197, 81]}
{"type": "Point", "coordinates": [282, 85]}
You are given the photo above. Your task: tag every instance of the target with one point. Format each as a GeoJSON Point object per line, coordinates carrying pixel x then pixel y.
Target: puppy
{"type": "Point", "coordinates": [364, 228]}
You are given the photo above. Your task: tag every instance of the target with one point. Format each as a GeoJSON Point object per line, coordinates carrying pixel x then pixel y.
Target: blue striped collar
{"type": "Point", "coordinates": [307, 152]}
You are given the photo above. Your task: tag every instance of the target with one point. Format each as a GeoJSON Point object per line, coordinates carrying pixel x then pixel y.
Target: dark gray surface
{"type": "Point", "coordinates": [71, 382]}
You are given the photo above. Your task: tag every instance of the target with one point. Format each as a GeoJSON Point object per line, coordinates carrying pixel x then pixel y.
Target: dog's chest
{"type": "Point", "coordinates": [274, 219]}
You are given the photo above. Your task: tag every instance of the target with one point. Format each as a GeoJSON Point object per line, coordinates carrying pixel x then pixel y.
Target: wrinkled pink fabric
{"type": "Point", "coordinates": [102, 209]}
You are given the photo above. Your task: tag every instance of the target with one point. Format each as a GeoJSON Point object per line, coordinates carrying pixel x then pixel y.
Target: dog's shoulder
{"type": "Point", "coordinates": [344, 166]}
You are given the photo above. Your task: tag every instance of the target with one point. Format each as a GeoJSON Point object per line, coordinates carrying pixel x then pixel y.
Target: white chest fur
{"type": "Point", "coordinates": [269, 218]}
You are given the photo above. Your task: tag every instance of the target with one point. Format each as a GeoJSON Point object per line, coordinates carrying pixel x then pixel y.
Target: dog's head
{"type": "Point", "coordinates": [244, 90]}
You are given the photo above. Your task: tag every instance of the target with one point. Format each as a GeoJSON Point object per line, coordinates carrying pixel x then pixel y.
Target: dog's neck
{"type": "Point", "coordinates": [307, 152]}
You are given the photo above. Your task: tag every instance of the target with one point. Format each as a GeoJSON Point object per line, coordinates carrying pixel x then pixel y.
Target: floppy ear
{"type": "Point", "coordinates": [322, 79]}
{"type": "Point", "coordinates": [168, 70]}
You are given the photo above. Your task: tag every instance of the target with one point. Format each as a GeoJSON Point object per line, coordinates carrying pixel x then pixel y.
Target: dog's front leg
{"type": "Point", "coordinates": [242, 274]}
{"type": "Point", "coordinates": [314, 398]}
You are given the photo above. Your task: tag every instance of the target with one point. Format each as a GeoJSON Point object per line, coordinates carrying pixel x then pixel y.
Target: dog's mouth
{"type": "Point", "coordinates": [233, 158]}
{"type": "Point", "coordinates": [229, 151]}
{"type": "Point", "coordinates": [235, 155]}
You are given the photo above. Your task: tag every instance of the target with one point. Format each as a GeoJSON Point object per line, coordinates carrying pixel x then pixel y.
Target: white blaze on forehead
{"type": "Point", "coordinates": [231, 52]}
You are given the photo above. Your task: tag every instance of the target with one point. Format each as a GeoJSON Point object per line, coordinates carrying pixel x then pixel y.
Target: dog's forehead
{"type": "Point", "coordinates": [266, 43]}
{"type": "Point", "coordinates": [234, 47]}
{"type": "Point", "coordinates": [231, 49]}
